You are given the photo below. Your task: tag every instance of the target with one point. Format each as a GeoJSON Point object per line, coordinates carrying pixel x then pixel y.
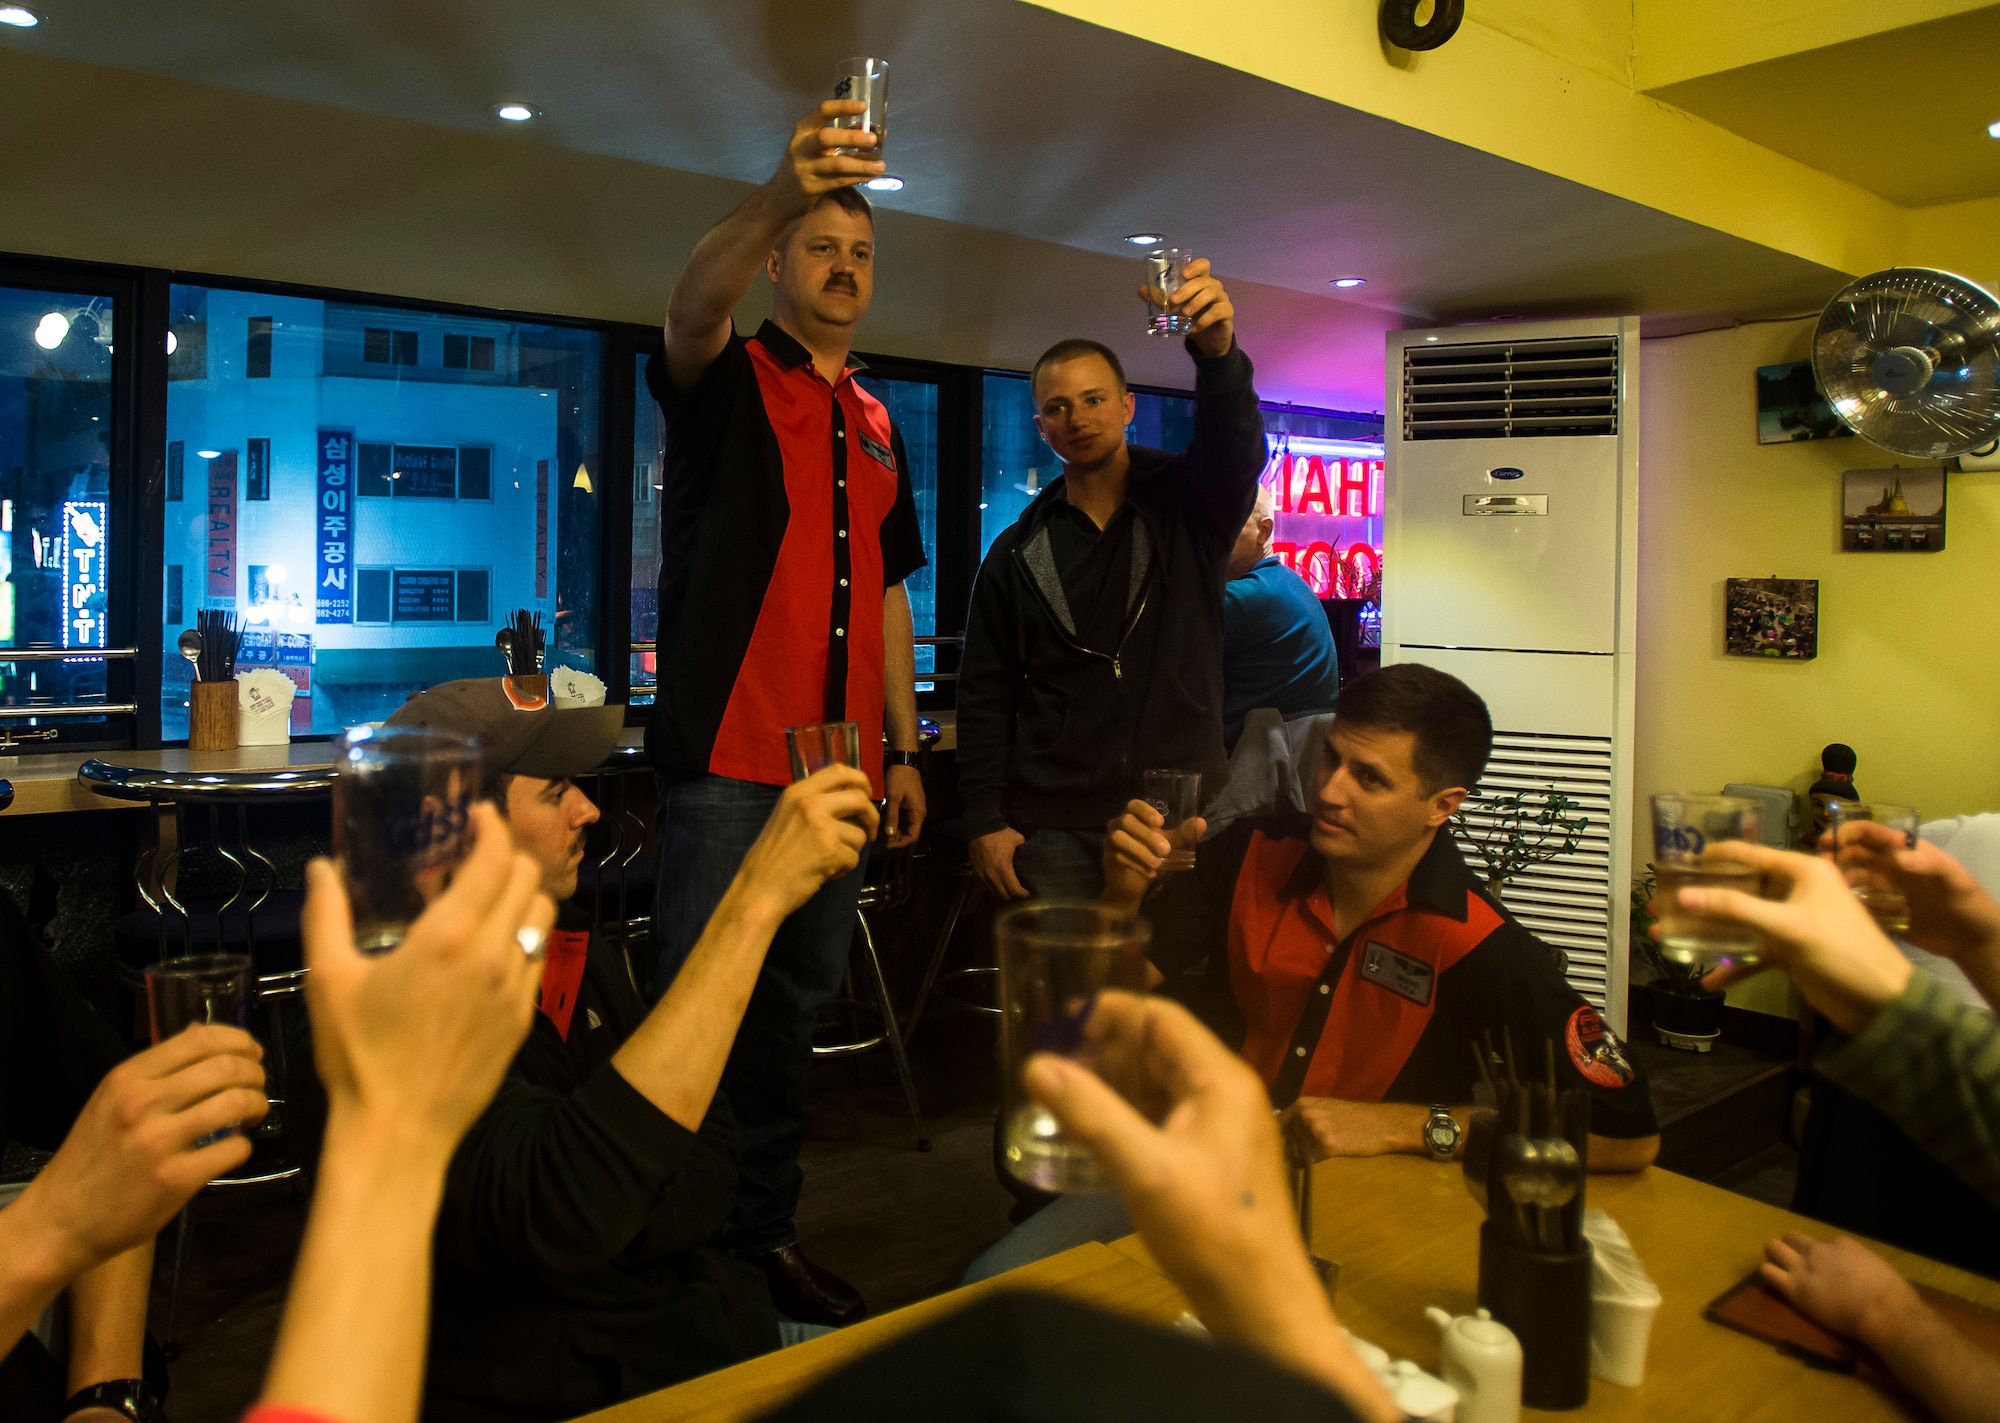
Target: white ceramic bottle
{"type": "Point", "coordinates": [1481, 1359]}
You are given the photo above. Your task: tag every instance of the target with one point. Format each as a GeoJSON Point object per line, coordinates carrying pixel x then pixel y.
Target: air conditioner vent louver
{"type": "Point", "coordinates": [1511, 389]}
{"type": "Point", "coordinates": [1567, 901]}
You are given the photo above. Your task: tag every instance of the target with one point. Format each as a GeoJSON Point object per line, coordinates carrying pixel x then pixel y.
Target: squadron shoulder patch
{"type": "Point", "coordinates": [1596, 1051]}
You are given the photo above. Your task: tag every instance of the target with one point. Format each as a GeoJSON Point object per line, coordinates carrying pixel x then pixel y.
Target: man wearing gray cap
{"type": "Point", "coordinates": [573, 1269]}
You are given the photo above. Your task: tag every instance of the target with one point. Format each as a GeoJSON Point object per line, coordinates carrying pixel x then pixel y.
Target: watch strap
{"type": "Point", "coordinates": [131, 1397]}
{"type": "Point", "coordinates": [899, 758]}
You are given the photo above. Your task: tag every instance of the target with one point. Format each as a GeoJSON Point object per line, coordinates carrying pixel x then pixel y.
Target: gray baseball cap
{"type": "Point", "coordinates": [519, 735]}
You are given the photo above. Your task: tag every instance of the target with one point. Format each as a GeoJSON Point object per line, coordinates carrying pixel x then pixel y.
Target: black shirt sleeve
{"type": "Point", "coordinates": [1215, 477]}
{"type": "Point", "coordinates": [558, 1184]}
{"type": "Point", "coordinates": [902, 533]}
{"type": "Point", "coordinates": [1510, 986]}
{"type": "Point", "coordinates": [989, 694]}
{"type": "Point", "coordinates": [1190, 919]}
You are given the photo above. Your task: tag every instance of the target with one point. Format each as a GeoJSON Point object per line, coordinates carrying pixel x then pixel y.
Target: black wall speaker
{"type": "Point", "coordinates": [1400, 27]}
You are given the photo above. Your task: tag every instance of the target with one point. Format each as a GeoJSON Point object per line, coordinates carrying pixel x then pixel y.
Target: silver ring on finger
{"type": "Point", "coordinates": [534, 943]}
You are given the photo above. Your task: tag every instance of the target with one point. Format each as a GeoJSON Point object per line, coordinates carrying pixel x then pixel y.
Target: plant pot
{"type": "Point", "coordinates": [1689, 1021]}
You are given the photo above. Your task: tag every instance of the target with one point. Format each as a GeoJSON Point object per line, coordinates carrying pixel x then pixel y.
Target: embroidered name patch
{"type": "Point", "coordinates": [877, 451]}
{"type": "Point", "coordinates": [1595, 1049]}
{"type": "Point", "coordinates": [1398, 972]}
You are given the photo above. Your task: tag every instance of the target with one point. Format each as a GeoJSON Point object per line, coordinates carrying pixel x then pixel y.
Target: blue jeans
{"type": "Point", "coordinates": [1061, 864]}
{"type": "Point", "coordinates": [706, 826]}
{"type": "Point", "coordinates": [1062, 1224]}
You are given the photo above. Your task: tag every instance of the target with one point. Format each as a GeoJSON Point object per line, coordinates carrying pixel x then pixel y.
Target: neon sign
{"type": "Point", "coordinates": [1328, 513]}
{"type": "Point", "coordinates": [83, 572]}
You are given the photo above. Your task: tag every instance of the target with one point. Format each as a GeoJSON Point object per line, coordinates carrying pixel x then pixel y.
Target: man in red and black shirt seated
{"type": "Point", "coordinates": [787, 529]}
{"type": "Point", "coordinates": [574, 1268]}
{"type": "Point", "coordinates": [1355, 960]}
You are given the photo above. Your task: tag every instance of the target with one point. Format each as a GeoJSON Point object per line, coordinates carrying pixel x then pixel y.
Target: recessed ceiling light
{"type": "Point", "coordinates": [1345, 282]}
{"type": "Point", "coordinates": [1146, 239]}
{"type": "Point", "coordinates": [1430, 338]}
{"type": "Point", "coordinates": [19, 16]}
{"type": "Point", "coordinates": [1993, 129]}
{"type": "Point", "coordinates": [208, 454]}
{"type": "Point", "coordinates": [884, 183]}
{"type": "Point", "coordinates": [516, 113]}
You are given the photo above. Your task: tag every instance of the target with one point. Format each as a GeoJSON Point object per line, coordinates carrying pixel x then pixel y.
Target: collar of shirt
{"type": "Point", "coordinates": [787, 350]}
{"type": "Point", "coordinates": [1438, 885]}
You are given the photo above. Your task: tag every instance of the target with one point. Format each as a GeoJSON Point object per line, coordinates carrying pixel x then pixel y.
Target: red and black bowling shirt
{"type": "Point", "coordinates": [786, 513]}
{"type": "Point", "coordinates": [1389, 1013]}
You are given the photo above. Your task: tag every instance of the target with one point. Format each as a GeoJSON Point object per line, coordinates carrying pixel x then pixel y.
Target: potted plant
{"type": "Point", "coordinates": [1516, 831]}
{"type": "Point", "coordinates": [1685, 1015]}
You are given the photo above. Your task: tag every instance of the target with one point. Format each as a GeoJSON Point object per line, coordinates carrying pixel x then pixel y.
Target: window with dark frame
{"type": "Point", "coordinates": [373, 464]}
{"type": "Point", "coordinates": [475, 471]}
{"type": "Point", "coordinates": [468, 353]}
{"type": "Point", "coordinates": [473, 584]}
{"type": "Point", "coordinates": [371, 595]}
{"type": "Point", "coordinates": [257, 350]}
{"type": "Point", "coordinates": [385, 346]}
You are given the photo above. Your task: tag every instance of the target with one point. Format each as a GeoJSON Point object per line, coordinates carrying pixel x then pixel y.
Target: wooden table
{"type": "Point", "coordinates": [1093, 1274]}
{"type": "Point", "coordinates": [1405, 1235]}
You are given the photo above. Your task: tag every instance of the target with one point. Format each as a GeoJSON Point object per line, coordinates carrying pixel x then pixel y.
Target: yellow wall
{"type": "Point", "coordinates": [1908, 671]}
{"type": "Point", "coordinates": [1674, 40]}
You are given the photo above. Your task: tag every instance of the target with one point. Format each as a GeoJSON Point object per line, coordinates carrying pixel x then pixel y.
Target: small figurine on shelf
{"type": "Point", "coordinates": [1836, 782]}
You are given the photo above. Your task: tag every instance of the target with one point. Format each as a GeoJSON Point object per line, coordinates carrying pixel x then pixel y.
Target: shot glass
{"type": "Point", "coordinates": [1890, 908]}
{"type": "Point", "coordinates": [1684, 827]}
{"type": "Point", "coordinates": [826, 743]}
{"type": "Point", "coordinates": [867, 80]}
{"type": "Point", "coordinates": [203, 988]}
{"type": "Point", "coordinates": [1177, 796]}
{"type": "Point", "coordinates": [402, 800]}
{"type": "Point", "coordinates": [1166, 269]}
{"type": "Point", "coordinates": [1055, 957]}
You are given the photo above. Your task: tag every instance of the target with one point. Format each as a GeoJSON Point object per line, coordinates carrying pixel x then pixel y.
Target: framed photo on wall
{"type": "Point", "coordinates": [1892, 510]}
{"type": "Point", "coordinates": [1771, 617]}
{"type": "Point", "coordinates": [1790, 407]}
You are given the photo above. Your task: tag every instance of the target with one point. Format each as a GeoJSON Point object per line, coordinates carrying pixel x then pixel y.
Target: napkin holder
{"type": "Point", "coordinates": [212, 716]}
{"type": "Point", "coordinates": [264, 708]}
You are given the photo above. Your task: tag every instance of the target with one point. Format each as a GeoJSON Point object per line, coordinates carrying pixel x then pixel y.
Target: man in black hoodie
{"type": "Point", "coordinates": [1093, 651]}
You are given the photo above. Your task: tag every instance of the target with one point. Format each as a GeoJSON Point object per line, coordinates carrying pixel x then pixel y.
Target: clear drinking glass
{"type": "Point", "coordinates": [1177, 796]}
{"type": "Point", "coordinates": [202, 988]}
{"type": "Point", "coordinates": [1166, 269]}
{"type": "Point", "coordinates": [1055, 956]}
{"type": "Point", "coordinates": [826, 743]}
{"type": "Point", "coordinates": [867, 80]}
{"type": "Point", "coordinates": [1684, 826]}
{"type": "Point", "coordinates": [402, 798]}
{"type": "Point", "coordinates": [1890, 908]}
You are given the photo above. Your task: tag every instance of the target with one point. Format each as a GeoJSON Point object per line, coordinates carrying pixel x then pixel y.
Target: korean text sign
{"type": "Point", "coordinates": [333, 600]}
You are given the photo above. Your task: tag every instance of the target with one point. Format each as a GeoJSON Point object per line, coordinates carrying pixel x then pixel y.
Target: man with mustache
{"type": "Point", "coordinates": [787, 527]}
{"type": "Point", "coordinates": [574, 1267]}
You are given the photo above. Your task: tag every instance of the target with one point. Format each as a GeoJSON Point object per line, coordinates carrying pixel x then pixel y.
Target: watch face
{"type": "Point", "coordinates": [1441, 1133]}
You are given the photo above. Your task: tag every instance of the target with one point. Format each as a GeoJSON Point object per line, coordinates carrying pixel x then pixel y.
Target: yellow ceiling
{"type": "Point", "coordinates": [1902, 113]}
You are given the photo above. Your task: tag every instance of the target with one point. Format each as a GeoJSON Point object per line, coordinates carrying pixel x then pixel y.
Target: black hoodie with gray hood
{"type": "Point", "coordinates": [1056, 721]}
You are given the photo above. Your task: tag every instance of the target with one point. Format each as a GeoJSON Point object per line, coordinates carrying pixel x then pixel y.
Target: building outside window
{"type": "Point", "coordinates": [913, 405]}
{"type": "Point", "coordinates": [55, 492]}
{"type": "Point", "coordinates": [393, 484]}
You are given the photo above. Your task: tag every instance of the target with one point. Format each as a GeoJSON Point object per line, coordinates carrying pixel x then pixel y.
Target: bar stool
{"type": "Point", "coordinates": [888, 886]}
{"type": "Point", "coordinates": [952, 832]}
{"type": "Point", "coordinates": [255, 917]}
{"type": "Point", "coordinates": [622, 881]}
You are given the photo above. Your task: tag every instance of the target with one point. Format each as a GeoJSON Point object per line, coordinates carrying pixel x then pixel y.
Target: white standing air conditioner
{"type": "Point", "coordinates": [1510, 547]}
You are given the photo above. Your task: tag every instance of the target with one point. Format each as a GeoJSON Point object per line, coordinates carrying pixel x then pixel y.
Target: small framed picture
{"type": "Point", "coordinates": [1892, 510]}
{"type": "Point", "coordinates": [1790, 407]}
{"type": "Point", "coordinates": [1772, 617]}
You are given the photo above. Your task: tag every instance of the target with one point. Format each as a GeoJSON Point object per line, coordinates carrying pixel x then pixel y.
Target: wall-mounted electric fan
{"type": "Point", "coordinates": [1909, 359]}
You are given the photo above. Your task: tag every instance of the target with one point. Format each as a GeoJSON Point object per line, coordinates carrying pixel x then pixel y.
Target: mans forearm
{"type": "Point", "coordinates": [362, 1278]}
{"type": "Point", "coordinates": [899, 670]}
{"type": "Point", "coordinates": [675, 1059]}
{"type": "Point", "coordinates": [723, 265]}
{"type": "Point", "coordinates": [1948, 1374]}
{"type": "Point", "coordinates": [34, 1268]}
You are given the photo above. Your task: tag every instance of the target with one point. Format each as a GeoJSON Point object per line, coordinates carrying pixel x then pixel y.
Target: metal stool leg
{"type": "Point", "coordinates": [891, 1033]}
{"type": "Point", "coordinates": [171, 1345]}
{"type": "Point", "coordinates": [937, 955]}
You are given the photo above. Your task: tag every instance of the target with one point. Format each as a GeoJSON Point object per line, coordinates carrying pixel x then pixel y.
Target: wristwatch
{"type": "Point", "coordinates": [1441, 1134]}
{"type": "Point", "coordinates": [899, 758]}
{"type": "Point", "coordinates": [131, 1397]}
